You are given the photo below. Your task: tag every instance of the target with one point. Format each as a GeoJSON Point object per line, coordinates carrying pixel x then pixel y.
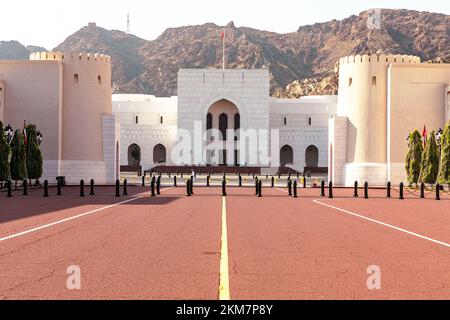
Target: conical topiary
{"type": "Point", "coordinates": [444, 167]}
{"type": "Point", "coordinates": [4, 156]}
{"type": "Point", "coordinates": [414, 157]}
{"type": "Point", "coordinates": [18, 163]}
{"type": "Point", "coordinates": [34, 155]}
{"type": "Point", "coordinates": [429, 167]}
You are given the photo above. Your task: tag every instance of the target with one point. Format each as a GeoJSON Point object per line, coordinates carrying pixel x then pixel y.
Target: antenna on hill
{"type": "Point", "coordinates": [128, 23]}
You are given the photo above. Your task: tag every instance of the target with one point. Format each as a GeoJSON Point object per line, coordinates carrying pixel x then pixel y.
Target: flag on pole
{"type": "Point", "coordinates": [425, 136]}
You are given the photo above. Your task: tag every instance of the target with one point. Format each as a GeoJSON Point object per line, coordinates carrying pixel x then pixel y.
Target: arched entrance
{"type": "Point", "coordinates": [134, 155]}
{"type": "Point", "coordinates": [159, 154]}
{"type": "Point", "coordinates": [312, 157]}
{"type": "Point", "coordinates": [223, 115]}
{"type": "Point", "coordinates": [286, 156]}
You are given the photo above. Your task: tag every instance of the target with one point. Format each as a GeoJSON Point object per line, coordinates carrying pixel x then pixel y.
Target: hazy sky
{"type": "Point", "coordinates": [47, 23]}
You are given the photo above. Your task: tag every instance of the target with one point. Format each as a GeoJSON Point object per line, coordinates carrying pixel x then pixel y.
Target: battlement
{"type": "Point", "coordinates": [379, 58]}
{"type": "Point", "coordinates": [61, 56]}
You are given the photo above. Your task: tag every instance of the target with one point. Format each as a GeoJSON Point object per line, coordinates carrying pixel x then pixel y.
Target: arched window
{"type": "Point", "coordinates": [159, 154]}
{"type": "Point", "coordinates": [209, 121]}
{"type": "Point", "coordinates": [374, 81]}
{"type": "Point", "coordinates": [75, 78]}
{"type": "Point", "coordinates": [99, 79]}
{"type": "Point", "coordinates": [310, 121]}
{"type": "Point", "coordinates": [286, 156]}
{"type": "Point", "coordinates": [136, 119]}
{"type": "Point", "coordinates": [161, 120]}
{"type": "Point", "coordinates": [223, 125]}
{"type": "Point", "coordinates": [285, 121]}
{"type": "Point", "coordinates": [350, 81]}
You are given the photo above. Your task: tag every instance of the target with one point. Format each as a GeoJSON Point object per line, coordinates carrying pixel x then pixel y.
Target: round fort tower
{"type": "Point", "coordinates": [86, 94]}
{"type": "Point", "coordinates": [363, 85]}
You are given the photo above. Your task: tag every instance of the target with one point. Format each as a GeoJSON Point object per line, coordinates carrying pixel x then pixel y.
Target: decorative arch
{"type": "Point", "coordinates": [134, 155]}
{"type": "Point", "coordinates": [159, 154]}
{"type": "Point", "coordinates": [242, 109]}
{"type": "Point", "coordinates": [312, 157]}
{"type": "Point", "coordinates": [286, 156]}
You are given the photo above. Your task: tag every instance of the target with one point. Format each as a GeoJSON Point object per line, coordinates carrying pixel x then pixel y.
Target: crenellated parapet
{"type": "Point", "coordinates": [70, 57]}
{"type": "Point", "coordinates": [378, 58]}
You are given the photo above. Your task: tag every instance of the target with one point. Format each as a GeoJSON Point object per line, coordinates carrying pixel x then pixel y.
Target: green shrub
{"type": "Point", "coordinates": [18, 163]}
{"type": "Point", "coordinates": [429, 167]}
{"type": "Point", "coordinates": [414, 157]}
{"type": "Point", "coordinates": [444, 167]}
{"type": "Point", "coordinates": [34, 155]}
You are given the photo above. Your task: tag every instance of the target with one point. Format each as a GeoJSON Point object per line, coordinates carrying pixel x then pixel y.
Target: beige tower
{"type": "Point", "coordinates": [362, 118]}
{"type": "Point", "coordinates": [89, 132]}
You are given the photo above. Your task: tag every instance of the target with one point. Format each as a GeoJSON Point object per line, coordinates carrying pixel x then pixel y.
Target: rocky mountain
{"type": "Point", "coordinates": [15, 50]}
{"type": "Point", "coordinates": [301, 62]}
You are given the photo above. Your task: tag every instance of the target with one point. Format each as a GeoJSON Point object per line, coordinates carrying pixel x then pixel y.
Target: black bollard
{"type": "Point", "coordinates": [366, 190]}
{"type": "Point", "coordinates": [330, 190]}
{"type": "Point", "coordinates": [92, 191]}
{"type": "Point", "coordinates": [256, 187]}
{"type": "Point", "coordinates": [208, 181]}
{"type": "Point", "coordinates": [422, 190]}
{"type": "Point", "coordinates": [188, 188]}
{"type": "Point", "coordinates": [117, 188]}
{"type": "Point", "coordinates": [290, 187]}
{"type": "Point", "coordinates": [355, 193]}
{"type": "Point", "coordinates": [322, 188]}
{"type": "Point", "coordinates": [438, 191]}
{"type": "Point", "coordinates": [143, 180]}
{"type": "Point", "coordinates": [260, 189]}
{"type": "Point", "coordinates": [224, 187]}
{"type": "Point", "coordinates": [240, 181]}
{"type": "Point", "coordinates": [82, 188]}
{"type": "Point", "coordinates": [8, 186]}
{"type": "Point", "coordinates": [58, 187]}
{"type": "Point", "coordinates": [158, 186]}
{"type": "Point", "coordinates": [273, 182]}
{"type": "Point", "coordinates": [191, 186]}
{"type": "Point", "coordinates": [295, 189]}
{"type": "Point", "coordinates": [389, 187]}
{"type": "Point", "coordinates": [402, 186]}
{"type": "Point", "coordinates": [46, 189]}
{"type": "Point", "coordinates": [174, 181]}
{"type": "Point", "coordinates": [304, 182]}
{"type": "Point", "coordinates": [125, 187]}
{"type": "Point", "coordinates": [25, 187]}
{"type": "Point", "coordinates": [152, 187]}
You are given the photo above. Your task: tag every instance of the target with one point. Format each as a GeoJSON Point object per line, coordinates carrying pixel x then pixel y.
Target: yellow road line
{"type": "Point", "coordinates": [224, 286]}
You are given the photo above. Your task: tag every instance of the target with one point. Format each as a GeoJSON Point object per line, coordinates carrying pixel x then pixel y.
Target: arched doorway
{"type": "Point", "coordinates": [134, 155]}
{"type": "Point", "coordinates": [312, 157]}
{"type": "Point", "coordinates": [223, 115]}
{"type": "Point", "coordinates": [159, 154]}
{"type": "Point", "coordinates": [286, 156]}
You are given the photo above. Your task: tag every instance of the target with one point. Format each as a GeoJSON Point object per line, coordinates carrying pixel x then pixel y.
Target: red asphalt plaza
{"type": "Point", "coordinates": [211, 247]}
